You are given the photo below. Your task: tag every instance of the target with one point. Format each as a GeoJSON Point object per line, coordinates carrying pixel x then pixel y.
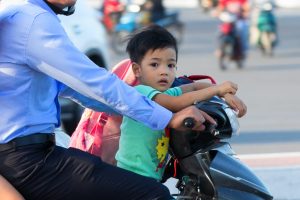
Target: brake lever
{"type": "Point", "coordinates": [211, 128]}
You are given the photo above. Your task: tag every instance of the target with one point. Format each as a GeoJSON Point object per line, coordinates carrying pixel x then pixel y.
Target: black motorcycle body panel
{"type": "Point", "coordinates": [208, 168]}
{"type": "Point", "coordinates": [233, 179]}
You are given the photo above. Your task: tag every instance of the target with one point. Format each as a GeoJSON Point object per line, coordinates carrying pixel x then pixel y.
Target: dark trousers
{"type": "Point", "coordinates": [48, 172]}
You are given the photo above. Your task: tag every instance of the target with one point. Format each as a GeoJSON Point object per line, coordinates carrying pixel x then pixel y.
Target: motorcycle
{"type": "Point", "coordinates": [205, 164]}
{"type": "Point", "coordinates": [230, 47]}
{"type": "Point", "coordinates": [111, 13]}
{"type": "Point", "coordinates": [266, 25]}
{"type": "Point", "coordinates": [134, 18]}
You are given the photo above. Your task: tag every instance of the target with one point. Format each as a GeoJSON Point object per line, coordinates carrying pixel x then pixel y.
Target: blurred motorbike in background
{"type": "Point", "coordinates": [230, 47]}
{"type": "Point", "coordinates": [111, 13]}
{"type": "Point", "coordinates": [135, 17]}
{"type": "Point", "coordinates": [205, 164]}
{"type": "Point", "coordinates": [267, 29]}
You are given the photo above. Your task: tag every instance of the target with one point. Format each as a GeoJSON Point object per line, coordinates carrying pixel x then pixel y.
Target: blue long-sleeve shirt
{"type": "Point", "coordinates": [38, 63]}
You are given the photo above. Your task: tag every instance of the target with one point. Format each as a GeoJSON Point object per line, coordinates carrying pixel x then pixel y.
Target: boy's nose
{"type": "Point", "coordinates": [164, 71]}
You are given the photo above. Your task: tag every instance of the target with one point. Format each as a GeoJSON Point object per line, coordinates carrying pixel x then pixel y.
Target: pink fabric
{"type": "Point", "coordinates": [97, 132]}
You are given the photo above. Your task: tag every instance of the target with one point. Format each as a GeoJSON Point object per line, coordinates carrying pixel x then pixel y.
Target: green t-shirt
{"type": "Point", "coordinates": [141, 149]}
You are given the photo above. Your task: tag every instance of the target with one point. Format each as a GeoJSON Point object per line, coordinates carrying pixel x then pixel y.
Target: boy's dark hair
{"type": "Point", "coordinates": [149, 38]}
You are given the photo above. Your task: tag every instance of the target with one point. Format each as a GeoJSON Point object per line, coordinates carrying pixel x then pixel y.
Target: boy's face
{"type": "Point", "coordinates": [157, 69]}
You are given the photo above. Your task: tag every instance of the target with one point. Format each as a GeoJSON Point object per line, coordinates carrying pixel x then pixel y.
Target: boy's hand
{"type": "Point", "coordinates": [190, 112]}
{"type": "Point", "coordinates": [235, 103]}
{"type": "Point", "coordinates": [226, 87]}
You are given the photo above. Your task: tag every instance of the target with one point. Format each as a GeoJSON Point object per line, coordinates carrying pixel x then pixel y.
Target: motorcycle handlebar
{"type": "Point", "coordinates": [189, 122]}
{"type": "Point", "coordinates": [210, 128]}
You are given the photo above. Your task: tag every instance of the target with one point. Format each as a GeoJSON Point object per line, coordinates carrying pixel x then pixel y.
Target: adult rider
{"type": "Point", "coordinates": [38, 62]}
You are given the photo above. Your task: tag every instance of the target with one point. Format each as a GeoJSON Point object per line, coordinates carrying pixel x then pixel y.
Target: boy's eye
{"type": "Point", "coordinates": [172, 66]}
{"type": "Point", "coordinates": [154, 64]}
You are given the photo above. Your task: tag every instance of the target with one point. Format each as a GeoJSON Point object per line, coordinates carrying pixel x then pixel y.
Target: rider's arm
{"type": "Point", "coordinates": [7, 191]}
{"type": "Point", "coordinates": [69, 93]}
{"type": "Point", "coordinates": [50, 51]}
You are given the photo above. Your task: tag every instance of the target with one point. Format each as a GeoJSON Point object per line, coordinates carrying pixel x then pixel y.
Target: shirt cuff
{"type": "Point", "coordinates": [160, 118]}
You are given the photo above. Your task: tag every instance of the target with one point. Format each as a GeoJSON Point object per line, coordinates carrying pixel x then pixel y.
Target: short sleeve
{"type": "Point", "coordinates": [147, 91]}
{"type": "Point", "coordinates": [175, 91]}
{"type": "Point", "coordinates": [151, 92]}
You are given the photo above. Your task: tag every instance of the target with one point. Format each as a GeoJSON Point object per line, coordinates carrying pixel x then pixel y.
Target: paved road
{"type": "Point", "coordinates": [270, 133]}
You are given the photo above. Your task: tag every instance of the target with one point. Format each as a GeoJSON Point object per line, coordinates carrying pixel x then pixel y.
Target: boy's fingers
{"type": "Point", "coordinates": [208, 118]}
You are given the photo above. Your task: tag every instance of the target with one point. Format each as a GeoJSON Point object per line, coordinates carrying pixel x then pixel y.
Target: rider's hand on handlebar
{"type": "Point", "coordinates": [190, 112]}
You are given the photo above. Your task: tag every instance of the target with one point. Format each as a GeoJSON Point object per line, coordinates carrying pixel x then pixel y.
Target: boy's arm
{"type": "Point", "coordinates": [237, 104]}
{"type": "Point", "coordinates": [194, 92]}
{"type": "Point", "coordinates": [195, 86]}
{"type": "Point", "coordinates": [223, 88]}
{"type": "Point", "coordinates": [176, 103]}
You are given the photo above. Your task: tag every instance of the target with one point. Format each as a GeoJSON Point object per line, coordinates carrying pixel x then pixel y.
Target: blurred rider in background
{"type": "Point", "coordinates": [241, 9]}
{"type": "Point", "coordinates": [256, 7]}
{"type": "Point", "coordinates": [112, 11]}
{"type": "Point", "coordinates": [156, 9]}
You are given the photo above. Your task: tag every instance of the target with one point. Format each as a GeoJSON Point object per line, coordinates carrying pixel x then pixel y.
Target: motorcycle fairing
{"type": "Point", "coordinates": [229, 173]}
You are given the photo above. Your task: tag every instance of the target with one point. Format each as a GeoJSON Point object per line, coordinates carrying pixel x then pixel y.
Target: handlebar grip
{"type": "Point", "coordinates": [211, 128]}
{"type": "Point", "coordinates": [189, 122]}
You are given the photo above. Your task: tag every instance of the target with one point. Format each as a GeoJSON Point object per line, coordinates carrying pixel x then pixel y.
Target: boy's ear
{"type": "Point", "coordinates": [136, 69]}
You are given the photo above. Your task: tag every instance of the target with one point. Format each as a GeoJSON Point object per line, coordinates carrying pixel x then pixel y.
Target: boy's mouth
{"type": "Point", "coordinates": [163, 81]}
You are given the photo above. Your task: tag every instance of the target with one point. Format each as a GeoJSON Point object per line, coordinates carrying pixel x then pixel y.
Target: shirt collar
{"type": "Point", "coordinates": [42, 4]}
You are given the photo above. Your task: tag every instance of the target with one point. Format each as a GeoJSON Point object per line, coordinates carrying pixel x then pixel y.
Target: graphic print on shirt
{"type": "Point", "coordinates": [162, 151]}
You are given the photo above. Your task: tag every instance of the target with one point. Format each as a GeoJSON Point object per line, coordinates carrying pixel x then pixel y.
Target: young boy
{"type": "Point", "coordinates": [153, 52]}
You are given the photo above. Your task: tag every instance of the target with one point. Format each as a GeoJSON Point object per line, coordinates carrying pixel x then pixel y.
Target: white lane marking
{"type": "Point", "coordinates": [269, 155]}
{"type": "Point", "coordinates": [283, 160]}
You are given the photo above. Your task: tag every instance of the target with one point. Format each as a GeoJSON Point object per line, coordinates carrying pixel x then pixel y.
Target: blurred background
{"type": "Point", "coordinates": [267, 75]}
{"type": "Point", "coordinates": [269, 139]}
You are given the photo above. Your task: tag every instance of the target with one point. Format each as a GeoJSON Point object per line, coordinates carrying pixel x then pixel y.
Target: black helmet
{"type": "Point", "coordinates": [188, 142]}
{"type": "Point", "coordinates": [226, 118]}
{"type": "Point", "coordinates": [66, 11]}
